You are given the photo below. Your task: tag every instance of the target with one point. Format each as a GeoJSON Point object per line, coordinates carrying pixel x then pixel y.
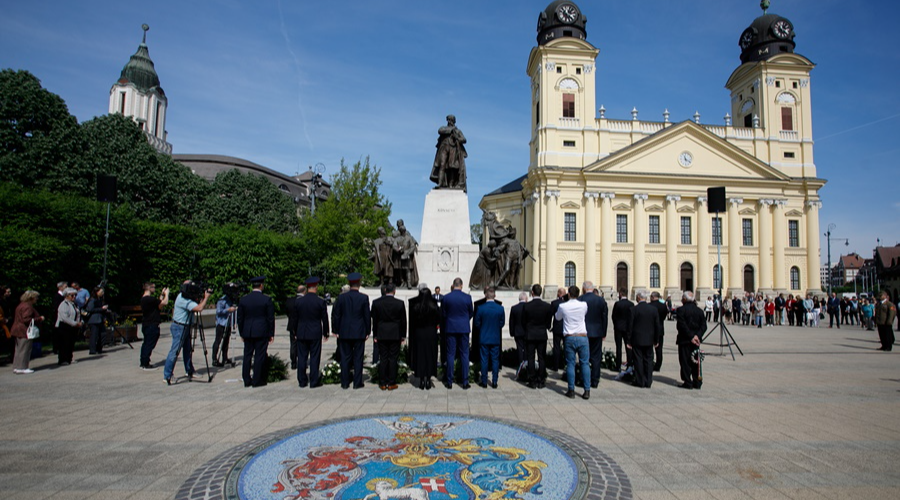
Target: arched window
{"type": "Point", "coordinates": [717, 277]}
{"type": "Point", "coordinates": [749, 279]}
{"type": "Point", "coordinates": [687, 277]}
{"type": "Point", "coordinates": [570, 274]}
{"type": "Point", "coordinates": [795, 278]}
{"type": "Point", "coordinates": [622, 276]}
{"type": "Point", "coordinates": [654, 275]}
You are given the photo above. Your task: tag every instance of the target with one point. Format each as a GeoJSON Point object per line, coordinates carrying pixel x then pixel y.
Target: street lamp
{"type": "Point", "coordinates": [846, 243]}
{"type": "Point", "coordinates": [316, 180]}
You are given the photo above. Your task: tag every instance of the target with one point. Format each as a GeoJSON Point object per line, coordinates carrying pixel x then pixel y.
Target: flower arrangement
{"type": "Point", "coordinates": [402, 373]}
{"type": "Point", "coordinates": [331, 373]}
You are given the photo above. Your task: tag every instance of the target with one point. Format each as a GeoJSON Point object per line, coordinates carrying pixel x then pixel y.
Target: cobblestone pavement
{"type": "Point", "coordinates": [806, 413]}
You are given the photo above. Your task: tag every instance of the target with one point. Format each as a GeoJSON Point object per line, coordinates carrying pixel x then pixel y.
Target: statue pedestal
{"type": "Point", "coordinates": [445, 249]}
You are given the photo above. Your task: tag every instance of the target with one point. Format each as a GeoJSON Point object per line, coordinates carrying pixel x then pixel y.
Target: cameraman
{"type": "Point", "coordinates": [225, 309]}
{"type": "Point", "coordinates": [150, 320]}
{"type": "Point", "coordinates": [181, 320]}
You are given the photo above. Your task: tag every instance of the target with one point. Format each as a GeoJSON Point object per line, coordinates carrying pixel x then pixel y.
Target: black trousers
{"type": "Point", "coordinates": [520, 350]}
{"type": "Point", "coordinates": [536, 347]}
{"type": "Point", "coordinates": [292, 336]}
{"type": "Point", "coordinates": [596, 346]}
{"type": "Point", "coordinates": [309, 353]}
{"type": "Point", "coordinates": [350, 354]}
{"type": "Point", "coordinates": [559, 352]}
{"type": "Point", "coordinates": [643, 365]}
{"type": "Point", "coordinates": [690, 371]}
{"type": "Point", "coordinates": [65, 342]}
{"type": "Point", "coordinates": [620, 339]}
{"type": "Point", "coordinates": [256, 350]}
{"type": "Point", "coordinates": [389, 353]}
{"type": "Point", "coordinates": [657, 364]}
{"type": "Point", "coordinates": [150, 332]}
{"type": "Point", "coordinates": [886, 335]}
{"type": "Point", "coordinates": [98, 331]}
{"type": "Point", "coordinates": [223, 337]}
{"type": "Point", "coordinates": [834, 318]}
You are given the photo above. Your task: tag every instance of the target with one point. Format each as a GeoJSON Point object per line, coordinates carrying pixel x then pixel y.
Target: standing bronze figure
{"type": "Point", "coordinates": [449, 171]}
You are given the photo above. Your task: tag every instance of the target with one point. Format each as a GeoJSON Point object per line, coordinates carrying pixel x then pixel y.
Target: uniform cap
{"type": "Point", "coordinates": [312, 280]}
{"type": "Point", "coordinates": [354, 277]}
{"type": "Point", "coordinates": [258, 279]}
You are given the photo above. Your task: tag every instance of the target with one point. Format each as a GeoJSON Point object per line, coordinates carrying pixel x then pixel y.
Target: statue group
{"type": "Point", "coordinates": [394, 256]}
{"type": "Point", "coordinates": [500, 261]}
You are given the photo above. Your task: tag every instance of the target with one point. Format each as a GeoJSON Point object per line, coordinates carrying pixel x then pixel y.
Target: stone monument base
{"type": "Point", "coordinates": [446, 251]}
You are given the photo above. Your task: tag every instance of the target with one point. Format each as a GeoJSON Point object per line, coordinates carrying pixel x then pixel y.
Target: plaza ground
{"type": "Point", "coordinates": [806, 413]}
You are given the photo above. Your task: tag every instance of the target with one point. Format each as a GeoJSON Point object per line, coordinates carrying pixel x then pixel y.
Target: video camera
{"type": "Point", "coordinates": [234, 290]}
{"type": "Point", "coordinates": [194, 290]}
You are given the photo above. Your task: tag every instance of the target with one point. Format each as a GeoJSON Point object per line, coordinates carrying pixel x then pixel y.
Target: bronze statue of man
{"type": "Point", "coordinates": [406, 271]}
{"type": "Point", "coordinates": [449, 170]}
{"type": "Point", "coordinates": [382, 250]}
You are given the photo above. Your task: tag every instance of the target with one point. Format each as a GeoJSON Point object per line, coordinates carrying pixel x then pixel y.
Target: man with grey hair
{"type": "Point", "coordinates": [642, 338]}
{"type": "Point", "coordinates": [596, 320]}
{"type": "Point", "coordinates": [691, 325]}
{"type": "Point", "coordinates": [58, 299]}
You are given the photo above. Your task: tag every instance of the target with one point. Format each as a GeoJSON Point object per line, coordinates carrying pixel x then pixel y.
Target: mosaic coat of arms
{"type": "Point", "coordinates": [419, 457]}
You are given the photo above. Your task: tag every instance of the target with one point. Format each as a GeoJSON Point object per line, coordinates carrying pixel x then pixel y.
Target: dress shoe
{"type": "Point", "coordinates": [382, 387]}
{"type": "Point", "coordinates": [302, 385]}
{"type": "Point", "coordinates": [428, 385]}
{"type": "Point", "coordinates": [345, 386]}
{"type": "Point", "coordinates": [448, 385]}
{"type": "Point", "coordinates": [594, 385]}
{"type": "Point", "coordinates": [570, 394]}
{"type": "Point", "coordinates": [494, 385]}
{"type": "Point", "coordinates": [531, 385]}
{"type": "Point", "coordinates": [586, 395]}
{"type": "Point", "coordinates": [218, 364]}
{"type": "Point", "coordinates": [466, 387]}
{"type": "Point", "coordinates": [317, 384]}
{"type": "Point", "coordinates": [393, 387]}
{"type": "Point", "coordinates": [540, 385]}
{"type": "Point", "coordinates": [360, 386]}
{"type": "Point", "coordinates": [169, 381]}
{"type": "Point", "coordinates": [483, 385]}
{"type": "Point", "coordinates": [686, 385]}
{"type": "Point", "coordinates": [697, 386]}
{"type": "Point", "coordinates": [293, 366]}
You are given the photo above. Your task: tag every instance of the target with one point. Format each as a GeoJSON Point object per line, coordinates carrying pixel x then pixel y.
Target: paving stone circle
{"type": "Point", "coordinates": [350, 458]}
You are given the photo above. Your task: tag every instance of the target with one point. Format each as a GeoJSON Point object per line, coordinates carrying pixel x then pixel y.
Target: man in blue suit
{"type": "Point", "coordinates": [457, 311]}
{"type": "Point", "coordinates": [351, 323]}
{"type": "Point", "coordinates": [310, 318]}
{"type": "Point", "coordinates": [256, 323]}
{"type": "Point", "coordinates": [490, 320]}
{"type": "Point", "coordinates": [596, 320]}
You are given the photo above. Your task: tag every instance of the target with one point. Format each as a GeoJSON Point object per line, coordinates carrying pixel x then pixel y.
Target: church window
{"type": "Point", "coordinates": [778, 84]}
{"type": "Point", "coordinates": [717, 231]}
{"type": "Point", "coordinates": [122, 102]}
{"type": "Point", "coordinates": [654, 275]}
{"type": "Point", "coordinates": [794, 233]}
{"type": "Point", "coordinates": [795, 84]}
{"type": "Point", "coordinates": [795, 278]}
{"type": "Point", "coordinates": [748, 121]}
{"type": "Point", "coordinates": [559, 69]}
{"type": "Point", "coordinates": [717, 277]}
{"type": "Point", "coordinates": [787, 118]}
{"type": "Point", "coordinates": [685, 230]}
{"type": "Point", "coordinates": [748, 232]}
{"type": "Point", "coordinates": [789, 154]}
{"type": "Point", "coordinates": [537, 113]}
{"type": "Point", "coordinates": [568, 105]}
{"type": "Point", "coordinates": [621, 229]}
{"type": "Point", "coordinates": [569, 144]}
{"type": "Point", "coordinates": [158, 117]}
{"type": "Point", "coordinates": [570, 274]}
{"type": "Point", "coordinates": [654, 229]}
{"type": "Point", "coordinates": [569, 227]}
{"type": "Point", "coordinates": [577, 71]}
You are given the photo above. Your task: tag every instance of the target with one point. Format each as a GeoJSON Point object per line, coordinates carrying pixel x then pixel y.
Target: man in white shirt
{"type": "Point", "coordinates": [572, 314]}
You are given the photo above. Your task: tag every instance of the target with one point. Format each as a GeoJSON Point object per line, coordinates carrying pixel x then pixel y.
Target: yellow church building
{"type": "Point", "coordinates": [623, 203]}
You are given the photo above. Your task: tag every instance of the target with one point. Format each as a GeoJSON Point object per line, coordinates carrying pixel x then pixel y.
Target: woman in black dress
{"type": "Point", "coordinates": [424, 318]}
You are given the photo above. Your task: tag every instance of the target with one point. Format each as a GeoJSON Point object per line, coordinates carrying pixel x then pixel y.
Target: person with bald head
{"type": "Point", "coordinates": [643, 337]}
{"type": "Point", "coordinates": [596, 320]}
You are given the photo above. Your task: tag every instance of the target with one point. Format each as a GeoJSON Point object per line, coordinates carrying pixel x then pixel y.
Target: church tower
{"type": "Point", "coordinates": [562, 71]}
{"type": "Point", "coordinates": [137, 95]}
{"type": "Point", "coordinates": [770, 91]}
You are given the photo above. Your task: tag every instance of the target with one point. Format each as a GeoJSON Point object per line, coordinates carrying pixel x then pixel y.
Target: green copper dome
{"type": "Point", "coordinates": [140, 70]}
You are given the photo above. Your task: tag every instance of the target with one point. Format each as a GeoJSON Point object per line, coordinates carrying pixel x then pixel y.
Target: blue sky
{"type": "Point", "coordinates": [293, 83]}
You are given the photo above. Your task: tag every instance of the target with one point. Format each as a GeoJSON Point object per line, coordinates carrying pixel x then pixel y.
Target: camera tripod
{"type": "Point", "coordinates": [192, 330]}
{"type": "Point", "coordinates": [232, 321]}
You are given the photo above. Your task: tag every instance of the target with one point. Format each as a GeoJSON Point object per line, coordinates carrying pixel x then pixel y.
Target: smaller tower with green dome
{"type": "Point", "coordinates": [138, 95]}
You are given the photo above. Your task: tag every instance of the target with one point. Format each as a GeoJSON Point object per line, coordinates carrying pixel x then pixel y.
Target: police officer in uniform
{"type": "Point", "coordinates": [309, 316]}
{"type": "Point", "coordinates": [256, 323]}
{"type": "Point", "coordinates": [351, 323]}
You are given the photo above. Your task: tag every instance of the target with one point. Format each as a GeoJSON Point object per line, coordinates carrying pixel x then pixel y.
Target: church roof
{"type": "Point", "coordinates": [767, 36]}
{"type": "Point", "coordinates": [140, 70]}
{"type": "Point", "coordinates": [510, 187]}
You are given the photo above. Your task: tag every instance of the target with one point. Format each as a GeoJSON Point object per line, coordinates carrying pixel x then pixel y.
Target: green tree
{"type": "Point", "coordinates": [249, 200]}
{"type": "Point", "coordinates": [337, 234]}
{"type": "Point", "coordinates": [477, 233]}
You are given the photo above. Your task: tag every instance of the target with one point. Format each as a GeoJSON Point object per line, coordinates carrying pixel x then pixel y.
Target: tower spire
{"type": "Point", "coordinates": [146, 28]}
{"type": "Point", "coordinates": [764, 4]}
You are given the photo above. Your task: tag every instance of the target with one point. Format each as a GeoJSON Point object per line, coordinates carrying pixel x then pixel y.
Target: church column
{"type": "Point", "coordinates": [734, 245]}
{"type": "Point", "coordinates": [813, 279]}
{"type": "Point", "coordinates": [672, 233]}
{"type": "Point", "coordinates": [780, 231]}
{"type": "Point", "coordinates": [640, 242]}
{"type": "Point", "coordinates": [536, 236]}
{"type": "Point", "coordinates": [764, 273]}
{"type": "Point", "coordinates": [552, 197]}
{"type": "Point", "coordinates": [607, 236]}
{"type": "Point", "coordinates": [704, 227]}
{"type": "Point", "coordinates": [590, 237]}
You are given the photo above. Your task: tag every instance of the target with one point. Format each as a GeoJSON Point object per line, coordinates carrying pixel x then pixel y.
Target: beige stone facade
{"type": "Point", "coordinates": [623, 203]}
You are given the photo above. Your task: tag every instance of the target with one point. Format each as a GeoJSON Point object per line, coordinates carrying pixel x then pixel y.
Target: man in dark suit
{"type": "Point", "coordinates": [490, 320]}
{"type": "Point", "coordinates": [644, 336]}
{"type": "Point", "coordinates": [256, 323]}
{"type": "Point", "coordinates": [537, 318]}
{"type": "Point", "coordinates": [621, 318]}
{"type": "Point", "coordinates": [389, 331]}
{"type": "Point", "coordinates": [559, 350]}
{"type": "Point", "coordinates": [310, 319]}
{"type": "Point", "coordinates": [834, 310]}
{"type": "Point", "coordinates": [597, 320]}
{"type": "Point", "coordinates": [663, 311]}
{"type": "Point", "coordinates": [292, 323]}
{"type": "Point", "coordinates": [691, 325]}
{"type": "Point", "coordinates": [517, 331]}
{"type": "Point", "coordinates": [457, 312]}
{"type": "Point", "coordinates": [351, 322]}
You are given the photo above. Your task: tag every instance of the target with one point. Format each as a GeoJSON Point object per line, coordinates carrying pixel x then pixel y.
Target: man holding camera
{"type": "Point", "coordinates": [182, 313]}
{"type": "Point", "coordinates": [309, 315]}
{"type": "Point", "coordinates": [150, 320]}
{"type": "Point", "coordinates": [256, 323]}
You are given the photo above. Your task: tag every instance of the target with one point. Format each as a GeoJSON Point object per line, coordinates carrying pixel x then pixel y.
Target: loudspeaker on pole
{"type": "Point", "coordinates": [106, 188]}
{"type": "Point", "coordinates": [716, 197]}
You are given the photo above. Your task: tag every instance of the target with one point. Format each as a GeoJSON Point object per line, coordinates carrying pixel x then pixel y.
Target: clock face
{"type": "Point", "coordinates": [567, 13]}
{"type": "Point", "coordinates": [685, 159]}
{"type": "Point", "coordinates": [746, 38]}
{"type": "Point", "coordinates": [782, 29]}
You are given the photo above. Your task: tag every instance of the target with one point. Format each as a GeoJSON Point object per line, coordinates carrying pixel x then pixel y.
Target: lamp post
{"type": "Point", "coordinates": [316, 181]}
{"type": "Point", "coordinates": [829, 238]}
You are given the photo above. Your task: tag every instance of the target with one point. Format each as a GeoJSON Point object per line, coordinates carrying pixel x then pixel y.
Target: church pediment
{"type": "Point", "coordinates": [747, 211]}
{"type": "Point", "coordinates": [655, 208]}
{"type": "Point", "coordinates": [570, 204]}
{"type": "Point", "coordinates": [794, 213]}
{"type": "Point", "coordinates": [685, 150]}
{"type": "Point", "coordinates": [685, 209]}
{"type": "Point", "coordinates": [622, 206]}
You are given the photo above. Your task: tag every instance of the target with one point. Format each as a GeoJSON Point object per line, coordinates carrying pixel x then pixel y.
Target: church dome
{"type": "Point", "coordinates": [560, 19]}
{"type": "Point", "coordinates": [768, 35]}
{"type": "Point", "coordinates": [140, 70]}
